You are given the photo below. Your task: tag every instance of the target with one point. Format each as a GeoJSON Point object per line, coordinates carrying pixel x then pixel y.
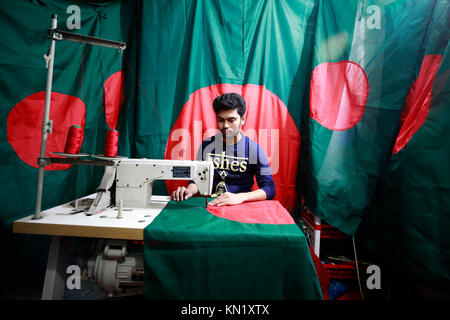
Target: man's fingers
{"type": "Point", "coordinates": [219, 203]}
{"type": "Point", "coordinates": [187, 194]}
{"type": "Point", "coordinates": [182, 193]}
{"type": "Point", "coordinates": [226, 199]}
{"type": "Point", "coordinates": [219, 200]}
{"type": "Point", "coordinates": [216, 200]}
{"type": "Point", "coordinates": [177, 194]}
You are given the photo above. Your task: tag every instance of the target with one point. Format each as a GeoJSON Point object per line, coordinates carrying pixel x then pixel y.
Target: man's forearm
{"type": "Point", "coordinates": [255, 195]}
{"type": "Point", "coordinates": [237, 198]}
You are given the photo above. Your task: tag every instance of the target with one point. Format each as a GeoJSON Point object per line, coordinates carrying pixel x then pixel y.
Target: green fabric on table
{"type": "Point", "coordinates": [192, 254]}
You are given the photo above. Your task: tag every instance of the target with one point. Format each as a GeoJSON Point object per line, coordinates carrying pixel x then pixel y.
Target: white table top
{"type": "Point", "coordinates": [63, 220]}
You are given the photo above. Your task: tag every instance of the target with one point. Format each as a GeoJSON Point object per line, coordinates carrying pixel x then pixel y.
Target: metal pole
{"type": "Point", "coordinates": [63, 35]}
{"type": "Point", "coordinates": [46, 124]}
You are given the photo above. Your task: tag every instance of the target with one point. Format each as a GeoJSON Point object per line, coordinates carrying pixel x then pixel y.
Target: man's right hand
{"type": "Point", "coordinates": [182, 193]}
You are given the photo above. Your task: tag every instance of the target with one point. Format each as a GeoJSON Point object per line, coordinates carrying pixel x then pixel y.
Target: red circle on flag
{"type": "Point", "coordinates": [24, 126]}
{"type": "Point", "coordinates": [268, 123]}
{"type": "Point", "coordinates": [338, 94]}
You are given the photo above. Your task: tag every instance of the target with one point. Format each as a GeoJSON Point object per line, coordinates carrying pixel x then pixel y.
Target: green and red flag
{"type": "Point", "coordinates": [87, 90]}
{"type": "Point", "coordinates": [408, 220]}
{"type": "Point", "coordinates": [248, 251]}
{"type": "Point", "coordinates": [343, 70]}
{"type": "Point", "coordinates": [364, 62]}
{"type": "Point", "coordinates": [339, 99]}
{"type": "Point", "coordinates": [211, 47]}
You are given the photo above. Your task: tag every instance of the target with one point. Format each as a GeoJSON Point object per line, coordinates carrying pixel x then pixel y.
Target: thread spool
{"type": "Point", "coordinates": [74, 140]}
{"type": "Point", "coordinates": [119, 210]}
{"type": "Point", "coordinates": [111, 143]}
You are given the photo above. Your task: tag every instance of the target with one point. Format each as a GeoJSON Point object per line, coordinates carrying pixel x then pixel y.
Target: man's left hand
{"type": "Point", "coordinates": [227, 199]}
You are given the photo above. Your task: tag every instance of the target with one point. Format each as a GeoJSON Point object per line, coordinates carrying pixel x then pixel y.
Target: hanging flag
{"type": "Point", "coordinates": [81, 72]}
{"type": "Point", "coordinates": [408, 220]}
{"type": "Point", "coordinates": [363, 65]}
{"type": "Point", "coordinates": [212, 47]}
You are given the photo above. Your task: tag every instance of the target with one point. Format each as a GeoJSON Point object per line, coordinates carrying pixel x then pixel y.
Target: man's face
{"type": "Point", "coordinates": [229, 123]}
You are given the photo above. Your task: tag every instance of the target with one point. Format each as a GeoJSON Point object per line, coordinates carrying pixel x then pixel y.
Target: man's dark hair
{"type": "Point", "coordinates": [229, 101]}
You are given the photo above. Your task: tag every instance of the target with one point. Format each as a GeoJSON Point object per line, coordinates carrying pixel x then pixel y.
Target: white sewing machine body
{"type": "Point", "coordinates": [134, 178]}
{"type": "Point", "coordinates": [130, 181]}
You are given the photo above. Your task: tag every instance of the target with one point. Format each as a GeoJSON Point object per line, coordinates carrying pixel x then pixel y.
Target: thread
{"type": "Point", "coordinates": [119, 210]}
{"type": "Point", "coordinates": [74, 140]}
{"type": "Point", "coordinates": [111, 143]}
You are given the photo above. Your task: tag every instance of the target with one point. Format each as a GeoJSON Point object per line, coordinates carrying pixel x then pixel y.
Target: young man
{"type": "Point", "coordinates": [237, 159]}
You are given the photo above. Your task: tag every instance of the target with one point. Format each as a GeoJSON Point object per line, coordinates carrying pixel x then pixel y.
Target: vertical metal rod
{"type": "Point", "coordinates": [46, 125]}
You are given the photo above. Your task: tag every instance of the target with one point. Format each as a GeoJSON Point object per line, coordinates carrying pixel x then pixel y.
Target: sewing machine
{"type": "Point", "coordinates": [120, 210]}
{"type": "Point", "coordinates": [134, 178]}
